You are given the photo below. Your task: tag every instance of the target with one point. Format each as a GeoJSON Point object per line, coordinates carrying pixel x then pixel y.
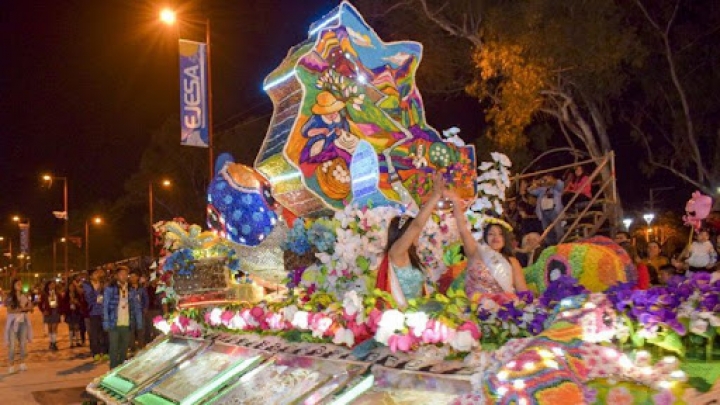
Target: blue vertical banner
{"type": "Point", "coordinates": [24, 238]}
{"type": "Point", "coordinates": [193, 93]}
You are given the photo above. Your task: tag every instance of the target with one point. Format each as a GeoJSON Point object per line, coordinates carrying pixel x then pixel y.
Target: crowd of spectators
{"type": "Point", "coordinates": [538, 203]}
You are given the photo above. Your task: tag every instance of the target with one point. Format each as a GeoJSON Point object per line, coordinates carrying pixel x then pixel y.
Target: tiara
{"type": "Point", "coordinates": [497, 221]}
{"type": "Point", "coordinates": [403, 219]}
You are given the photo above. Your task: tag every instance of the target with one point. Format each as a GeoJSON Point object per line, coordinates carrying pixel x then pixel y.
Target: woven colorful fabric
{"type": "Point", "coordinates": [598, 263]}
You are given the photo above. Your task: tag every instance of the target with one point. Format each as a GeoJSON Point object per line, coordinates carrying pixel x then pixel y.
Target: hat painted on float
{"type": "Point", "coordinates": [327, 103]}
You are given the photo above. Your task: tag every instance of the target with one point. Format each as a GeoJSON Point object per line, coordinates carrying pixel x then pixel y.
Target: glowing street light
{"type": "Point", "coordinates": [627, 222]}
{"type": "Point", "coordinates": [649, 217]}
{"type": "Point", "coordinates": [168, 16]}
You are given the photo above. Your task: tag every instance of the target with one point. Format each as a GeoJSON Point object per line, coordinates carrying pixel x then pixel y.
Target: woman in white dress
{"type": "Point", "coordinates": [492, 267]}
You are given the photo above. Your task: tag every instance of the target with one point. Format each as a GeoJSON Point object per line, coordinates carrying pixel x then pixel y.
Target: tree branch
{"type": "Point", "coordinates": [451, 28]}
{"type": "Point", "coordinates": [670, 168]}
{"type": "Point", "coordinates": [690, 138]}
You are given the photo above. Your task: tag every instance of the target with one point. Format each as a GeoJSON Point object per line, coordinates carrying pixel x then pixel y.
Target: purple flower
{"type": "Point", "coordinates": [508, 312]}
{"type": "Point", "coordinates": [563, 287]}
{"type": "Point", "coordinates": [525, 296]}
{"type": "Point", "coordinates": [589, 394]}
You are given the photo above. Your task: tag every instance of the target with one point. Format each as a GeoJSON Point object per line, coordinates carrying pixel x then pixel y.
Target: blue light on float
{"type": "Point", "coordinates": [279, 80]}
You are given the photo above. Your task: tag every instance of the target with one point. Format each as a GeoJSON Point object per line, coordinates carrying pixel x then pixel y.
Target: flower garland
{"type": "Point", "coordinates": [659, 316]}
{"type": "Point", "coordinates": [492, 183]}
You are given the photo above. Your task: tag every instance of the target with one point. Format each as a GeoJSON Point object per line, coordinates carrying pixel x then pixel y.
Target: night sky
{"type": "Point", "coordinates": [85, 82]}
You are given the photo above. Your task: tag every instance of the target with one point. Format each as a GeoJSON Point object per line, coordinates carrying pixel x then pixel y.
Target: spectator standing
{"type": "Point", "coordinates": [655, 260]}
{"type": "Point", "coordinates": [548, 191]}
{"type": "Point", "coordinates": [120, 311]}
{"type": "Point", "coordinates": [74, 316]}
{"type": "Point", "coordinates": [665, 273]}
{"type": "Point", "coordinates": [18, 330]}
{"type": "Point", "coordinates": [700, 255]}
{"type": "Point", "coordinates": [94, 297]}
{"type": "Point", "coordinates": [643, 273]}
{"type": "Point", "coordinates": [138, 293]}
{"type": "Point", "coordinates": [622, 237]}
{"type": "Point", "coordinates": [50, 307]}
{"type": "Point", "coordinates": [529, 250]}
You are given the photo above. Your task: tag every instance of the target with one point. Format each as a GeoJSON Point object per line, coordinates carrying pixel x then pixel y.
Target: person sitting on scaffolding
{"type": "Point", "coordinates": [548, 191]}
{"type": "Point", "coordinates": [578, 182]}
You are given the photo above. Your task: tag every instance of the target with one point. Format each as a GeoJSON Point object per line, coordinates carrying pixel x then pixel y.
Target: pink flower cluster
{"type": "Point", "coordinates": [347, 325]}
{"type": "Point", "coordinates": [179, 325]}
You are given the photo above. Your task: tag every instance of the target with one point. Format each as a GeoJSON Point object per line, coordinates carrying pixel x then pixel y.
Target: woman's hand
{"type": "Point", "coordinates": [458, 203]}
{"type": "Point", "coordinates": [438, 184]}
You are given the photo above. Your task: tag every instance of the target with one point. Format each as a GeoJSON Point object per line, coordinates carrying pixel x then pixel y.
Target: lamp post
{"type": "Point", "coordinates": [49, 178]}
{"type": "Point", "coordinates": [62, 240]}
{"type": "Point", "coordinates": [649, 217]}
{"type": "Point", "coordinates": [20, 221]}
{"type": "Point", "coordinates": [169, 17]}
{"type": "Point", "coordinates": [96, 221]}
{"type": "Point", "coordinates": [166, 184]}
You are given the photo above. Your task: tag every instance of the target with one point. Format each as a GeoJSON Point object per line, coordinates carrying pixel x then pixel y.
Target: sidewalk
{"type": "Point", "coordinates": [57, 378]}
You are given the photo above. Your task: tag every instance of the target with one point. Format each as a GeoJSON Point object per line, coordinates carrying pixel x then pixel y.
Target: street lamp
{"type": "Point", "coordinates": [49, 179]}
{"type": "Point", "coordinates": [627, 222]}
{"type": "Point", "coordinates": [54, 266]}
{"type": "Point", "coordinates": [96, 221]}
{"type": "Point", "coordinates": [169, 17]}
{"type": "Point", "coordinates": [649, 217]}
{"type": "Point", "coordinates": [166, 184]}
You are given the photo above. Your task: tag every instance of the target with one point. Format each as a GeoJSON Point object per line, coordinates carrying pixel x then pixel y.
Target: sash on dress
{"type": "Point", "coordinates": [479, 280]}
{"type": "Point", "coordinates": [387, 281]}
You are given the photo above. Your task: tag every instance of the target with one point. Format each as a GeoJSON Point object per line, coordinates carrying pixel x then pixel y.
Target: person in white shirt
{"type": "Point", "coordinates": [700, 255]}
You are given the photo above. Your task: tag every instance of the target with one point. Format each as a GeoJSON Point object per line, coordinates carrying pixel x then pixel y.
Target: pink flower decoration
{"type": "Point", "coordinates": [206, 316]}
{"type": "Point", "coordinates": [665, 397]}
{"type": "Point", "coordinates": [158, 319]}
{"type": "Point", "coordinates": [257, 313]}
{"type": "Point", "coordinates": [374, 319]}
{"type": "Point", "coordinates": [226, 317]}
{"type": "Point", "coordinates": [472, 328]}
{"type": "Point", "coordinates": [184, 321]}
{"type": "Point", "coordinates": [175, 329]}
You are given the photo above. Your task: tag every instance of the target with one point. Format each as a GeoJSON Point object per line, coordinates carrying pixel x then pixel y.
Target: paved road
{"type": "Point", "coordinates": [38, 351]}
{"type": "Point", "coordinates": [56, 378]}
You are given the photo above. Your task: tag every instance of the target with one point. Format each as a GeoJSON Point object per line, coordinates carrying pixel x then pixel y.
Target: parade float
{"type": "Point", "coordinates": [348, 149]}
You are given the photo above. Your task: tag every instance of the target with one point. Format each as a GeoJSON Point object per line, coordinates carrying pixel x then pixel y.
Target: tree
{"type": "Point", "coordinates": [563, 60]}
{"type": "Point", "coordinates": [677, 119]}
{"type": "Point", "coordinates": [186, 167]}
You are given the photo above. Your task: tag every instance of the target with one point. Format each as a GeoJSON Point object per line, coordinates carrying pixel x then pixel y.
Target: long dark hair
{"type": "Point", "coordinates": [506, 250]}
{"type": "Point", "coordinates": [395, 232]}
{"type": "Point", "coordinates": [14, 299]}
{"type": "Point", "coordinates": [46, 289]}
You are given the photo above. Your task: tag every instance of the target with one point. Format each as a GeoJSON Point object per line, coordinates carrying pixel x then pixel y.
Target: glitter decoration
{"type": "Point", "coordinates": [240, 204]}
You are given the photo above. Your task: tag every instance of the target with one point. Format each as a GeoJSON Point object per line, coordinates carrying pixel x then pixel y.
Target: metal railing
{"type": "Point", "coordinates": [607, 162]}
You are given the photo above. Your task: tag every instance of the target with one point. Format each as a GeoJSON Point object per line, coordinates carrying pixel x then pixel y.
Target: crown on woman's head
{"type": "Point", "coordinates": [488, 220]}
